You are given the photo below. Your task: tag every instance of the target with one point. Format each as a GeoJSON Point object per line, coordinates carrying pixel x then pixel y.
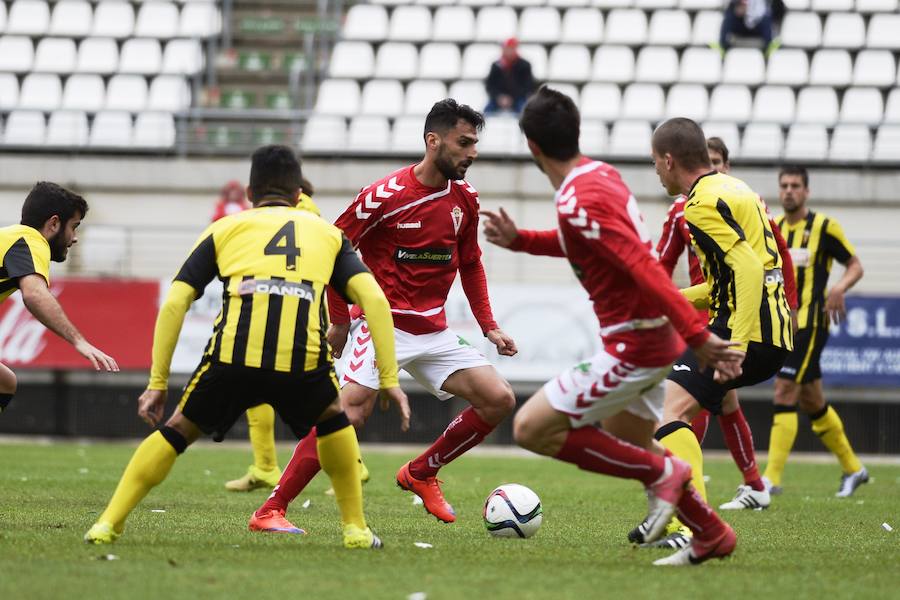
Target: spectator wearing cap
{"type": "Point", "coordinates": [510, 82]}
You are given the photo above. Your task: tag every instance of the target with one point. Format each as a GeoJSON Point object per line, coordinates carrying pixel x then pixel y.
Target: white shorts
{"type": "Point", "coordinates": [430, 358]}
{"type": "Point", "coordinates": [603, 386]}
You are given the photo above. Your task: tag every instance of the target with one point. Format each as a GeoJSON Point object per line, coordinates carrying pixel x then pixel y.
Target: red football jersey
{"type": "Point", "coordinates": [602, 233]}
{"type": "Point", "coordinates": [414, 239]}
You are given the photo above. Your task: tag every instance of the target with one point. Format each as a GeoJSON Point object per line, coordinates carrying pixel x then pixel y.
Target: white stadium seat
{"type": "Point", "coordinates": [98, 55]}
{"type": "Point", "coordinates": [730, 103]}
{"type": "Point", "coordinates": [536, 55]}
{"type": "Point", "coordinates": [806, 141]}
{"type": "Point", "coordinates": [338, 97]}
{"type": "Point", "coordinates": [324, 133]}
{"type": "Point", "coordinates": [410, 24]}
{"type": "Point", "coordinates": [157, 20]}
{"type": "Point", "coordinates": [40, 92]}
{"type": "Point", "coordinates": [477, 60]}
{"type": "Point", "coordinates": [569, 89]}
{"type": "Point", "coordinates": [883, 30]}
{"type": "Point", "coordinates": [826, 6]}
{"type": "Point", "coordinates": [421, 96]}
{"type": "Point", "coordinates": [569, 62]}
{"type": "Point", "coordinates": [366, 22]}
{"type": "Point", "coordinates": [873, 6]}
{"type": "Point", "coordinates": [744, 65]}
{"type": "Point", "coordinates": [9, 91]}
{"type": "Point", "coordinates": [55, 55]}
{"type": "Point", "coordinates": [700, 4]}
{"type": "Point", "coordinates": [874, 67]}
{"type": "Point", "coordinates": [184, 57]}
{"type": "Point", "coordinates": [199, 20]}
{"type": "Point", "coordinates": [143, 56]}
{"type": "Point", "coordinates": [707, 24]}
{"type": "Point", "coordinates": [154, 130]}
{"type": "Point", "coordinates": [440, 61]}
{"type": "Point", "coordinates": [72, 18]}
{"type": "Point", "coordinates": [630, 138]}
{"type": "Point", "coordinates": [687, 100]}
{"type": "Point", "coordinates": [453, 24]}
{"type": "Point", "coordinates": [700, 65]}
{"type": "Point", "coordinates": [727, 131]}
{"type": "Point", "coordinates": [831, 67]}
{"type": "Point", "coordinates": [113, 19]}
{"type": "Point", "coordinates": [626, 26]}
{"type": "Point", "coordinates": [582, 26]}
{"type": "Point", "coordinates": [383, 97]}
{"type": "Point", "coordinates": [369, 134]}
{"type": "Point", "coordinates": [655, 4]}
{"type": "Point", "coordinates": [111, 130]}
{"type": "Point", "coordinates": [774, 104]}
{"type": "Point", "coordinates": [28, 17]}
{"type": "Point", "coordinates": [397, 60]}
{"type": "Point", "coordinates": [594, 138]}
{"type": "Point", "coordinates": [643, 101]}
{"type": "Point", "coordinates": [524, 3]}
{"type": "Point", "coordinates": [892, 107]}
{"type": "Point", "coordinates": [887, 143]}
{"type": "Point", "coordinates": [817, 105]}
{"type": "Point", "coordinates": [3, 16]}
{"type": "Point", "coordinates": [407, 135]}
{"type": "Point", "coordinates": [797, 5]}
{"type": "Point", "coordinates": [470, 92]}
{"type": "Point", "coordinates": [844, 30]}
{"type": "Point", "coordinates": [801, 30]}
{"type": "Point", "coordinates": [540, 25]}
{"type": "Point", "coordinates": [862, 105]}
{"type": "Point", "coordinates": [850, 143]}
{"type": "Point", "coordinates": [569, 3]}
{"type": "Point", "coordinates": [500, 136]}
{"type": "Point", "coordinates": [169, 93]}
{"type": "Point", "coordinates": [24, 128]}
{"type": "Point", "coordinates": [352, 59]}
{"type": "Point", "coordinates": [762, 141]}
{"type": "Point", "coordinates": [669, 28]}
{"type": "Point", "coordinates": [601, 101]}
{"type": "Point", "coordinates": [16, 54]}
{"type": "Point", "coordinates": [495, 24]}
{"type": "Point", "coordinates": [84, 92]}
{"type": "Point", "coordinates": [657, 64]}
{"type": "Point", "coordinates": [613, 63]}
{"type": "Point", "coordinates": [67, 128]}
{"type": "Point", "coordinates": [606, 4]}
{"type": "Point", "coordinates": [788, 66]}
{"type": "Point", "coordinates": [126, 92]}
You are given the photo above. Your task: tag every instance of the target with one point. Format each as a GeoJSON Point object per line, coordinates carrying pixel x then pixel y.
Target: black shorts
{"type": "Point", "coordinates": [218, 394]}
{"type": "Point", "coordinates": [802, 365]}
{"type": "Point", "coordinates": [761, 363]}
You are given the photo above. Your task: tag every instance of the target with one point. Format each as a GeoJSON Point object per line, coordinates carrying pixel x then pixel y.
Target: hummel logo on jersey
{"type": "Point", "coordinates": [433, 256]}
{"type": "Point", "coordinates": [275, 287]}
{"type": "Point", "coordinates": [416, 225]}
{"type": "Point", "coordinates": [681, 368]}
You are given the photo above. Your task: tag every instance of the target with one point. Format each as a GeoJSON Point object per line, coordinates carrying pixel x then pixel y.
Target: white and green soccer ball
{"type": "Point", "coordinates": [513, 510]}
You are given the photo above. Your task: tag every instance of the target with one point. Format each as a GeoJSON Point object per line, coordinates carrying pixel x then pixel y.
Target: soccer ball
{"type": "Point", "coordinates": [513, 510]}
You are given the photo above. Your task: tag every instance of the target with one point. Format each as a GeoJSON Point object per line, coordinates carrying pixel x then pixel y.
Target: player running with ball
{"type": "Point", "coordinates": [643, 318]}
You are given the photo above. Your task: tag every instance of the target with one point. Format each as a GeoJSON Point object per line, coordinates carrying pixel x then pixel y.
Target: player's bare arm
{"type": "Point", "coordinates": [337, 338]}
{"type": "Point", "coordinates": [499, 228]}
{"type": "Point", "coordinates": [835, 309]}
{"type": "Point", "coordinates": [44, 306]}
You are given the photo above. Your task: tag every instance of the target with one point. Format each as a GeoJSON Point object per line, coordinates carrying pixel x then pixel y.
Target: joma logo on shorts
{"type": "Point", "coordinates": [274, 287]}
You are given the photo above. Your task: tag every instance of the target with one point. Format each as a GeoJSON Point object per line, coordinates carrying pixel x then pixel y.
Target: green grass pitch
{"type": "Point", "coordinates": [807, 545]}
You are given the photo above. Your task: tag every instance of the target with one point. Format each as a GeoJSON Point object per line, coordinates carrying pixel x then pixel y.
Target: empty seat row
{"type": "Point", "coordinates": [655, 64]}
{"type": "Point", "coordinates": [100, 55]}
{"type": "Point", "coordinates": [864, 6]}
{"type": "Point", "coordinates": [71, 129]}
{"type": "Point", "coordinates": [110, 18]}
{"type": "Point", "coordinates": [89, 93]}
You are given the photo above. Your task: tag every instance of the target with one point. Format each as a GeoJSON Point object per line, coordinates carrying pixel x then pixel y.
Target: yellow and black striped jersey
{"type": "Point", "coordinates": [814, 242]}
{"type": "Point", "coordinates": [24, 251]}
{"type": "Point", "coordinates": [274, 263]}
{"type": "Point", "coordinates": [722, 211]}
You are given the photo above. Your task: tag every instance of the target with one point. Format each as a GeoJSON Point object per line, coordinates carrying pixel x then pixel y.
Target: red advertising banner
{"type": "Point", "coordinates": [115, 315]}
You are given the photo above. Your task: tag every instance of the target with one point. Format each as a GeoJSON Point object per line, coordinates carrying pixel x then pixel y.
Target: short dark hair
{"type": "Point", "coordinates": [446, 113]}
{"type": "Point", "coordinates": [307, 187]}
{"type": "Point", "coordinates": [795, 170]}
{"type": "Point", "coordinates": [684, 140]}
{"type": "Point", "coordinates": [551, 120]}
{"type": "Point", "coordinates": [47, 199]}
{"type": "Point", "coordinates": [717, 144]}
{"type": "Point", "coordinates": [275, 171]}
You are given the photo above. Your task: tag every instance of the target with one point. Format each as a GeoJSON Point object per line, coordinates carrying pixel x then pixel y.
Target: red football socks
{"type": "Point", "coordinates": [700, 424]}
{"type": "Point", "coordinates": [593, 449]}
{"type": "Point", "coordinates": [297, 474]}
{"type": "Point", "coordinates": [698, 516]}
{"type": "Point", "coordinates": [740, 443]}
{"type": "Point", "coordinates": [463, 433]}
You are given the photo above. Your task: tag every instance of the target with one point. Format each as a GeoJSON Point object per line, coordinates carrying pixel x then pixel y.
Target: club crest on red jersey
{"type": "Point", "coordinates": [457, 215]}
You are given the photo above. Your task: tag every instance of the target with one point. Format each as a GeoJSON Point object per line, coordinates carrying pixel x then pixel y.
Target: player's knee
{"type": "Point", "coordinates": [175, 438]}
{"type": "Point", "coordinates": [811, 406]}
{"type": "Point", "coordinates": [8, 382]}
{"type": "Point", "coordinates": [356, 414]}
{"type": "Point", "coordinates": [527, 433]}
{"type": "Point", "coordinates": [502, 402]}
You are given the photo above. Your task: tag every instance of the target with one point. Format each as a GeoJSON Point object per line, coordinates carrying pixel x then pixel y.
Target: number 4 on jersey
{"type": "Point", "coordinates": [288, 248]}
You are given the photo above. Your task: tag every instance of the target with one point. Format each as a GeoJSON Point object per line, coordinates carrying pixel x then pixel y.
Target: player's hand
{"type": "Point", "coordinates": [835, 309]}
{"type": "Point", "coordinates": [99, 359]}
{"type": "Point", "coordinates": [151, 405]}
{"type": "Point", "coordinates": [499, 229]}
{"type": "Point", "coordinates": [721, 355]}
{"type": "Point", "coordinates": [337, 338]}
{"type": "Point", "coordinates": [505, 344]}
{"type": "Point", "coordinates": [397, 396]}
{"type": "Point", "coordinates": [726, 371]}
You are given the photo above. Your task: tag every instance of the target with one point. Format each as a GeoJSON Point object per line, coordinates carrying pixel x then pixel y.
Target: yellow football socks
{"type": "Point", "coordinates": [149, 465]}
{"type": "Point", "coordinates": [781, 440]}
{"type": "Point", "coordinates": [679, 439]}
{"type": "Point", "coordinates": [830, 429]}
{"type": "Point", "coordinates": [339, 456]}
{"type": "Point", "coordinates": [261, 425]}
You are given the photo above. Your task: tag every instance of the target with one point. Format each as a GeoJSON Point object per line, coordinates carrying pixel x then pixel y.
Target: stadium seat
{"type": "Point", "coordinates": [862, 105]}
{"type": "Point", "coordinates": [479, 2]}
{"type": "Point", "coordinates": [477, 60]}
{"type": "Point", "coordinates": [97, 55]}
{"type": "Point", "coordinates": [537, 56]}
{"type": "Point", "coordinates": [605, 4]}
{"type": "Point", "coordinates": [817, 105]}
{"type": "Point", "coordinates": [169, 93]}
{"type": "Point", "coordinates": [887, 143]}
{"type": "Point", "coordinates": [157, 20]}
{"type": "Point", "coordinates": [727, 131]}
{"type": "Point", "coordinates": [744, 65]}
{"type": "Point", "coordinates": [626, 26]}
{"type": "Point", "coordinates": [730, 103]}
{"type": "Point", "coordinates": [630, 138]}
{"type": "Point", "coordinates": [774, 104]}
{"type": "Point", "coordinates": [569, 62]}
{"type": "Point", "coordinates": [643, 101]}
{"type": "Point", "coordinates": [183, 57]}
{"type": "Point", "coordinates": [67, 128]}
{"type": "Point", "coordinates": [406, 135]}
{"type": "Point", "coordinates": [324, 133]}
{"type": "Point", "coordinates": [126, 92]}
{"type": "Point", "coordinates": [338, 97]}
{"type": "Point", "coordinates": [874, 67]}
{"type": "Point", "coordinates": [873, 6]}
{"type": "Point", "coordinates": [700, 65]}
{"type": "Point", "coordinates": [594, 138]}
{"type": "Point", "coordinates": [369, 134]}
{"type": "Point", "coordinates": [788, 66]}
{"type": "Point", "coordinates": [71, 19]}
{"type": "Point", "coordinates": [657, 64]}
{"type": "Point", "coordinates": [111, 130]}
{"type": "Point", "coordinates": [3, 15]}
{"type": "Point", "coordinates": [28, 17]}
{"type": "Point", "coordinates": [523, 3]}
{"type": "Point", "coordinates": [397, 60]}
{"type": "Point", "coordinates": [354, 60]}
{"type": "Point", "coordinates": [797, 5]}
{"type": "Point", "coordinates": [850, 143]}
{"type": "Point", "coordinates": [199, 20]}
{"type": "Point", "coordinates": [669, 28]}
{"type": "Point", "coordinates": [601, 101]}
{"type": "Point", "coordinates": [806, 141]}
{"type": "Point", "coordinates": [582, 26]}
{"type": "Point", "coordinates": [700, 4]}
{"type": "Point", "coordinates": [831, 67]}
{"type": "Point", "coordinates": [366, 22]}
{"type": "Point", "coordinates": [844, 30]}
{"type": "Point", "coordinates": [143, 56]}
{"type": "Point", "coordinates": [40, 92]}
{"type": "Point", "coordinates": [655, 4]}
{"type": "Point", "coordinates": [892, 107]}
{"type": "Point", "coordinates": [113, 19]}
{"type": "Point", "coordinates": [16, 54]}
{"type": "Point", "coordinates": [569, 89]}
{"type": "Point", "coordinates": [410, 24]}
{"type": "Point", "coordinates": [383, 97]}
{"type": "Point", "coordinates": [687, 100]}
{"type": "Point", "coordinates": [500, 136]}
{"type": "Point", "coordinates": [9, 91]}
{"type": "Point", "coordinates": [569, 3]}
{"type": "Point", "coordinates": [421, 96]}
{"type": "Point", "coordinates": [613, 63]}
{"type": "Point", "coordinates": [539, 25]}
{"type": "Point", "coordinates": [470, 92]}
{"type": "Point", "coordinates": [84, 92]}
{"type": "Point", "coordinates": [707, 24]}
{"type": "Point", "coordinates": [495, 24]}
{"type": "Point", "coordinates": [154, 130]}
{"type": "Point", "coordinates": [454, 24]}
{"type": "Point", "coordinates": [440, 61]}
{"type": "Point", "coordinates": [55, 55]}
{"type": "Point", "coordinates": [24, 128]}
{"type": "Point", "coordinates": [883, 30]}
{"type": "Point", "coordinates": [762, 141]}
{"type": "Point", "coordinates": [801, 30]}
{"type": "Point", "coordinates": [827, 6]}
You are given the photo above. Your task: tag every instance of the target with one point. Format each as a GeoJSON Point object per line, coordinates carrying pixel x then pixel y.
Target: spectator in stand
{"type": "Point", "coordinates": [747, 18]}
{"type": "Point", "coordinates": [510, 82]}
{"type": "Point", "coordinates": [232, 200]}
